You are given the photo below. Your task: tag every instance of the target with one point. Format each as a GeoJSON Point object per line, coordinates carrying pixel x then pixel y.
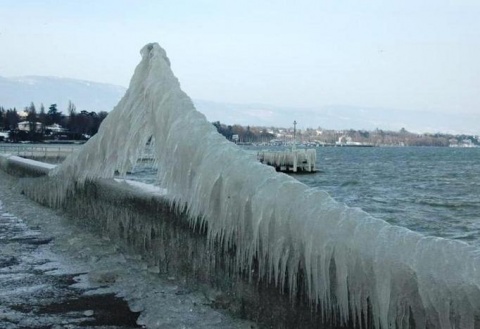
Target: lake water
{"type": "Point", "coordinates": [435, 191]}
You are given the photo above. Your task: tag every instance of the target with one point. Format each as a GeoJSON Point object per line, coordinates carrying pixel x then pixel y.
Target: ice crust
{"type": "Point", "coordinates": [351, 263]}
{"type": "Point", "coordinates": [33, 166]}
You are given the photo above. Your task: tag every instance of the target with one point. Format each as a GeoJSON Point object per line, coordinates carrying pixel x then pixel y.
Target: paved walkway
{"type": "Point", "coordinates": [54, 274]}
{"type": "Point", "coordinates": [41, 289]}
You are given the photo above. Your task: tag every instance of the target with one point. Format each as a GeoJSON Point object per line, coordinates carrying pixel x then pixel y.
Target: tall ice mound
{"type": "Point", "coordinates": [351, 264]}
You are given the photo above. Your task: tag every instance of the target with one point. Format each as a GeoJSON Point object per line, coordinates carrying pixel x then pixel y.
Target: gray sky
{"type": "Point", "coordinates": [410, 54]}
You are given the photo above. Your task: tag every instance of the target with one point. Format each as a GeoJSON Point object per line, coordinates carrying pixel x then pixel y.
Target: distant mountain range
{"type": "Point", "coordinates": [93, 96]}
{"type": "Point", "coordinates": [86, 95]}
{"type": "Point", "coordinates": [340, 117]}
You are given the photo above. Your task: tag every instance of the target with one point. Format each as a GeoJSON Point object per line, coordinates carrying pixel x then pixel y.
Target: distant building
{"type": "Point", "coordinates": [3, 136]}
{"type": "Point", "coordinates": [22, 115]}
{"type": "Point", "coordinates": [453, 142]}
{"type": "Point", "coordinates": [55, 128]}
{"type": "Point", "coordinates": [25, 126]}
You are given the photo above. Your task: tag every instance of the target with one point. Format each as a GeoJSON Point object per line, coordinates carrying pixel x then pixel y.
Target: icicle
{"type": "Point", "coordinates": [351, 261]}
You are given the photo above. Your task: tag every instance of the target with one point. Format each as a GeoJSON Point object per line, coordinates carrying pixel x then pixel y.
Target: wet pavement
{"type": "Point", "coordinates": [54, 274]}
{"type": "Point", "coordinates": [35, 294]}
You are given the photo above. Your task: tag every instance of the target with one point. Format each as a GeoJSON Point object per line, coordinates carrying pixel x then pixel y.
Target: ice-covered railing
{"type": "Point", "coordinates": [351, 263]}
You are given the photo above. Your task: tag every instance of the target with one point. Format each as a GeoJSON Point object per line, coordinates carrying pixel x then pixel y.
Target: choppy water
{"type": "Point", "coordinates": [435, 191]}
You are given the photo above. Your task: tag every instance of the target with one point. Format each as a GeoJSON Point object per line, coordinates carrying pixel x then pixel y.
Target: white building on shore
{"type": "Point", "coordinates": [25, 126]}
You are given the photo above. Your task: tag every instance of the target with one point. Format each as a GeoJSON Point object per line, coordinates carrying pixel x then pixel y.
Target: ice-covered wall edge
{"type": "Point", "coordinates": [17, 165]}
{"type": "Point", "coordinates": [277, 224]}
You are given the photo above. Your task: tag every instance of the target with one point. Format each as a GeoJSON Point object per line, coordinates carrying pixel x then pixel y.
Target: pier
{"type": "Point", "coordinates": [291, 160]}
{"type": "Point", "coordinates": [295, 161]}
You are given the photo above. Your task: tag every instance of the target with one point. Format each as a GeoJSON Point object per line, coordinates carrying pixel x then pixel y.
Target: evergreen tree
{"type": "Point", "coordinates": [53, 115]}
{"type": "Point", "coordinates": [12, 119]}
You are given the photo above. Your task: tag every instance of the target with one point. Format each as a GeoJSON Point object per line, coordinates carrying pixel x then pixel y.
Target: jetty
{"type": "Point", "coordinates": [291, 160]}
{"type": "Point", "coordinates": [294, 160]}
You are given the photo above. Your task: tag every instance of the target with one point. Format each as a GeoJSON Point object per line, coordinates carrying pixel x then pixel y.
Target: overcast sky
{"type": "Point", "coordinates": [409, 54]}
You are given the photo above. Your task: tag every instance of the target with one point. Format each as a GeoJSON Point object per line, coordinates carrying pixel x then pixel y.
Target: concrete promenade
{"type": "Point", "coordinates": [54, 274]}
{"type": "Point", "coordinates": [40, 287]}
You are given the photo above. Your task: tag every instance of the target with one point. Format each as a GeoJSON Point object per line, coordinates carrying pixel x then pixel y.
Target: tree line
{"type": "Point", "coordinates": [81, 125]}
{"type": "Point", "coordinates": [377, 137]}
{"type": "Point", "coordinates": [241, 134]}
{"type": "Point", "coordinates": [43, 124]}
{"type": "Point", "coordinates": [381, 137]}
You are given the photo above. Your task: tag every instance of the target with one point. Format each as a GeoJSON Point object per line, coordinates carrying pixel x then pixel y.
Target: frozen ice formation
{"type": "Point", "coordinates": [351, 263]}
{"type": "Point", "coordinates": [295, 159]}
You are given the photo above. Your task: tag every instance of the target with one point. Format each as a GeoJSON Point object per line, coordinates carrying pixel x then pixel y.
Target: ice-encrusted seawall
{"type": "Point", "coordinates": [349, 265]}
